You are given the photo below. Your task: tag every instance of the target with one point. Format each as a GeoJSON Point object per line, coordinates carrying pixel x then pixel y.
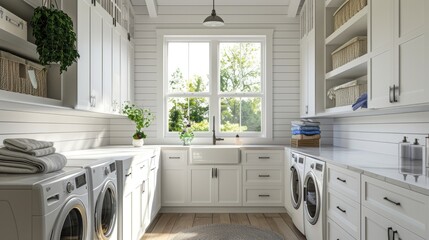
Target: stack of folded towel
{"type": "Point", "coordinates": [21, 155]}
{"type": "Point", "coordinates": [305, 129]}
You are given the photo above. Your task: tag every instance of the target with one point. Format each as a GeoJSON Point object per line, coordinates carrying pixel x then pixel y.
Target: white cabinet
{"type": "Point", "coordinates": [96, 56]}
{"type": "Point", "coordinates": [400, 56]}
{"type": "Point", "coordinates": [125, 83]}
{"type": "Point", "coordinates": [215, 185]}
{"type": "Point", "coordinates": [311, 47]}
{"type": "Point", "coordinates": [107, 64]}
{"type": "Point", "coordinates": [116, 69]}
{"type": "Point", "coordinates": [154, 187]}
{"type": "Point", "coordinates": [174, 177]}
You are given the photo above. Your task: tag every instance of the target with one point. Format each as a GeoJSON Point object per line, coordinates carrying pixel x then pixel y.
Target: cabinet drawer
{"type": "Point", "coordinates": [266, 196]}
{"type": "Point", "coordinates": [344, 181]}
{"type": "Point", "coordinates": [142, 171]}
{"type": "Point", "coordinates": [263, 176]}
{"type": "Point", "coordinates": [335, 232]}
{"type": "Point", "coordinates": [402, 206]}
{"type": "Point", "coordinates": [376, 227]}
{"type": "Point", "coordinates": [345, 212]}
{"type": "Point", "coordinates": [173, 159]}
{"type": "Point", "coordinates": [129, 182]}
{"type": "Point", "coordinates": [262, 157]}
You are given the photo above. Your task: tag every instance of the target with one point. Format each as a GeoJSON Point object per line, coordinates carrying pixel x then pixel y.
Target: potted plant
{"type": "Point", "coordinates": [142, 118]}
{"type": "Point", "coordinates": [186, 135]}
{"type": "Point", "coordinates": [55, 37]}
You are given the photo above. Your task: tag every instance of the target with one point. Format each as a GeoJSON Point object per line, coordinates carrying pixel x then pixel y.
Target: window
{"type": "Point", "coordinates": [220, 76]}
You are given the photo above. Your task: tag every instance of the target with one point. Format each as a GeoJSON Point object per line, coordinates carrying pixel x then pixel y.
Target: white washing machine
{"type": "Point", "coordinates": [103, 196]}
{"type": "Point", "coordinates": [50, 206]}
{"type": "Point", "coordinates": [297, 163]}
{"type": "Point", "coordinates": [314, 209]}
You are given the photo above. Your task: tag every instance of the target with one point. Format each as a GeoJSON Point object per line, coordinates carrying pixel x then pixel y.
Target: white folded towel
{"type": "Point", "coordinates": [17, 162]}
{"type": "Point", "coordinates": [29, 146]}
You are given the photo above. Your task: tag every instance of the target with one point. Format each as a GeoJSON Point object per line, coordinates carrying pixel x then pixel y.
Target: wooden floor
{"type": "Point", "coordinates": [166, 225]}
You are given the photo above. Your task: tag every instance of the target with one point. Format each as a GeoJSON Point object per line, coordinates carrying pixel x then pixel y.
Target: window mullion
{"type": "Point", "coordinates": [214, 97]}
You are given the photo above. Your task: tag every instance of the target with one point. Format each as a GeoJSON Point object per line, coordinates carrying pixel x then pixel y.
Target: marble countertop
{"type": "Point", "coordinates": [407, 174]}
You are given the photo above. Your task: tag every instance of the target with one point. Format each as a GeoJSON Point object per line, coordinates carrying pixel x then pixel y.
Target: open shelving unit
{"type": "Point", "coordinates": [356, 26]}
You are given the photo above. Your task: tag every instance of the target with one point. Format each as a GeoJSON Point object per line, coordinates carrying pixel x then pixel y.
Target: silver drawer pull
{"type": "Point", "coordinates": [393, 202]}
{"type": "Point", "coordinates": [129, 174]}
{"type": "Point", "coordinates": [264, 157]}
{"type": "Point", "coordinates": [341, 180]}
{"type": "Point", "coordinates": [264, 195]}
{"type": "Point", "coordinates": [264, 176]}
{"type": "Point", "coordinates": [342, 210]}
{"type": "Point", "coordinates": [142, 166]}
{"type": "Point", "coordinates": [173, 157]}
{"type": "Point", "coordinates": [18, 24]}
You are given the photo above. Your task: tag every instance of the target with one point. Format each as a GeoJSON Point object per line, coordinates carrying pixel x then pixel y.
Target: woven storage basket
{"type": "Point", "coordinates": [14, 75]}
{"type": "Point", "coordinates": [346, 11]}
{"type": "Point", "coordinates": [305, 143]}
{"type": "Point", "coordinates": [351, 50]}
{"type": "Point", "coordinates": [348, 96]}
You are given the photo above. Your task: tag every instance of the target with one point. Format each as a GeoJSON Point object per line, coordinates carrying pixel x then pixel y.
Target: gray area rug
{"type": "Point", "coordinates": [226, 232]}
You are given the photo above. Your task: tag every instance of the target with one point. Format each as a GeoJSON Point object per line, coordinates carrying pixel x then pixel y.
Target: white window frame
{"type": "Point", "coordinates": [214, 36]}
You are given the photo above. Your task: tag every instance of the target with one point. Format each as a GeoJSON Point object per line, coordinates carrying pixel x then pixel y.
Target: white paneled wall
{"type": "Point", "coordinates": [67, 131]}
{"type": "Point", "coordinates": [285, 69]}
{"type": "Point", "coordinates": [380, 133]}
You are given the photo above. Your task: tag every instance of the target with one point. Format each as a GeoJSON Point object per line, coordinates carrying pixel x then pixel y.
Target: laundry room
{"type": "Point", "coordinates": [214, 119]}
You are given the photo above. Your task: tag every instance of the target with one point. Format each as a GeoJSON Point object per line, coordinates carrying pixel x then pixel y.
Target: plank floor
{"type": "Point", "coordinates": [167, 225]}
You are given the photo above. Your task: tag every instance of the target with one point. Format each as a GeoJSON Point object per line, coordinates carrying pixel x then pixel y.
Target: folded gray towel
{"type": "Point", "coordinates": [17, 162]}
{"type": "Point", "coordinates": [37, 152]}
{"type": "Point", "coordinates": [25, 144]}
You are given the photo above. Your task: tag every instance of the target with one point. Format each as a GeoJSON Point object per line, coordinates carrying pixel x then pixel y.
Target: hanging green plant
{"type": "Point", "coordinates": [55, 38]}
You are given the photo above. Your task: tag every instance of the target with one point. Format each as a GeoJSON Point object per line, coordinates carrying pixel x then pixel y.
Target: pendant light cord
{"type": "Point", "coordinates": [213, 4]}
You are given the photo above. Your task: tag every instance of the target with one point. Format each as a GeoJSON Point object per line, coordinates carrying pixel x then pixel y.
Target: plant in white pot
{"type": "Point", "coordinates": [142, 118]}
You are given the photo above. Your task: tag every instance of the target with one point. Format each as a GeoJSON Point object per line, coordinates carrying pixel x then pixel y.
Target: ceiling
{"type": "Point", "coordinates": [218, 2]}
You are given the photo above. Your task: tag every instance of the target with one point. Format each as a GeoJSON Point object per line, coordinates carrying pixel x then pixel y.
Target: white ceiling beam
{"type": "Point", "coordinates": [152, 8]}
{"type": "Point", "coordinates": [293, 8]}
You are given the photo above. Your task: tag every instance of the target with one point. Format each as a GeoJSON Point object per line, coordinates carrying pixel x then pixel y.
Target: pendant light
{"type": "Point", "coordinates": [213, 20]}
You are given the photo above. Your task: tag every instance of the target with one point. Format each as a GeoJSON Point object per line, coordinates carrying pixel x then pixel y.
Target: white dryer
{"type": "Point", "coordinates": [297, 163]}
{"type": "Point", "coordinates": [314, 209]}
{"type": "Point", "coordinates": [103, 196]}
{"type": "Point", "coordinates": [50, 206]}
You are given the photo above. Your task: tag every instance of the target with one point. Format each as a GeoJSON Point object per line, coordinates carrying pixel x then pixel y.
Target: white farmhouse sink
{"type": "Point", "coordinates": [215, 155]}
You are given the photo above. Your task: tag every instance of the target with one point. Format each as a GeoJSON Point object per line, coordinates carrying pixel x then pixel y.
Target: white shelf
{"type": "Point", "coordinates": [351, 70]}
{"type": "Point", "coordinates": [343, 111]}
{"type": "Point", "coordinates": [355, 26]}
{"type": "Point", "coordinates": [333, 3]}
{"type": "Point", "coordinates": [18, 46]}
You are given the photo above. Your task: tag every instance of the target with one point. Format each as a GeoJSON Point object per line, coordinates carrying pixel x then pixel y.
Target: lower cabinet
{"type": "Point", "coordinates": [376, 227]}
{"type": "Point", "coordinates": [214, 185]}
{"type": "Point", "coordinates": [335, 232]}
{"type": "Point", "coordinates": [174, 178]}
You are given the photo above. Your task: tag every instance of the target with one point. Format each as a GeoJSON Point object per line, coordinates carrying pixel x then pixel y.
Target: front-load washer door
{"type": "Point", "coordinates": [105, 211]}
{"type": "Point", "coordinates": [296, 187]}
{"type": "Point", "coordinates": [71, 223]}
{"type": "Point", "coordinates": [311, 198]}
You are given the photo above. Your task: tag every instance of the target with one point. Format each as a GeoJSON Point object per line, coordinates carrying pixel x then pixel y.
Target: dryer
{"type": "Point", "coordinates": [103, 196]}
{"type": "Point", "coordinates": [297, 163]}
{"type": "Point", "coordinates": [314, 209]}
{"type": "Point", "coordinates": [44, 206]}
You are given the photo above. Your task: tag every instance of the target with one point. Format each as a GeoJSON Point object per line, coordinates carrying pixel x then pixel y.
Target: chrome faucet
{"type": "Point", "coordinates": [215, 139]}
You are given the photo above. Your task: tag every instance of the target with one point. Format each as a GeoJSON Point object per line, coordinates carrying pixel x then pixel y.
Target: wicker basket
{"type": "Point", "coordinates": [305, 143]}
{"type": "Point", "coordinates": [346, 11]}
{"type": "Point", "coordinates": [14, 75]}
{"type": "Point", "coordinates": [351, 50]}
{"type": "Point", "coordinates": [348, 96]}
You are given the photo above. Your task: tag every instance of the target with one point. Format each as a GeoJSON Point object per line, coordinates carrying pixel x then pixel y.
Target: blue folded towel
{"type": "Point", "coordinates": [361, 102]}
{"type": "Point", "coordinates": [305, 128]}
{"type": "Point", "coordinates": [304, 132]}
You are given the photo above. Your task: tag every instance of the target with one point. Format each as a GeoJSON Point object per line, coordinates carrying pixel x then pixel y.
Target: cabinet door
{"type": "Point", "coordinates": [411, 51]}
{"type": "Point", "coordinates": [376, 227]}
{"type": "Point", "coordinates": [144, 201]}
{"type": "Point", "coordinates": [136, 212]}
{"type": "Point", "coordinates": [84, 61]}
{"type": "Point", "coordinates": [96, 80]}
{"type": "Point", "coordinates": [116, 69]}
{"type": "Point", "coordinates": [381, 66]}
{"type": "Point", "coordinates": [127, 216]}
{"type": "Point", "coordinates": [174, 187]}
{"type": "Point", "coordinates": [131, 71]}
{"type": "Point", "coordinates": [311, 73]}
{"type": "Point", "coordinates": [228, 186]}
{"type": "Point", "coordinates": [107, 63]}
{"type": "Point", "coordinates": [124, 70]}
{"type": "Point", "coordinates": [200, 185]}
{"type": "Point", "coordinates": [304, 76]}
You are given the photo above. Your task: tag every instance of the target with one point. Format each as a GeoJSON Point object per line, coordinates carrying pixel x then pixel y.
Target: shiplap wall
{"type": "Point", "coordinates": [68, 131]}
{"type": "Point", "coordinates": [380, 133]}
{"type": "Point", "coordinates": [285, 69]}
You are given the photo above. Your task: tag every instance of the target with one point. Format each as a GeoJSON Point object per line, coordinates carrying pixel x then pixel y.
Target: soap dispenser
{"type": "Point", "coordinates": [416, 151]}
{"type": "Point", "coordinates": [417, 163]}
{"type": "Point", "coordinates": [404, 156]}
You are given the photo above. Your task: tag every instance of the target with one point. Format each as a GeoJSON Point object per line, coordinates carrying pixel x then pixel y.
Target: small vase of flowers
{"type": "Point", "coordinates": [186, 135]}
{"type": "Point", "coordinates": [142, 118]}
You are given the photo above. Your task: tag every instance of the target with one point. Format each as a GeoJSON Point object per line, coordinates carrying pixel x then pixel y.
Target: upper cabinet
{"type": "Point", "coordinates": [311, 49]}
{"type": "Point", "coordinates": [103, 71]}
{"type": "Point", "coordinates": [399, 62]}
